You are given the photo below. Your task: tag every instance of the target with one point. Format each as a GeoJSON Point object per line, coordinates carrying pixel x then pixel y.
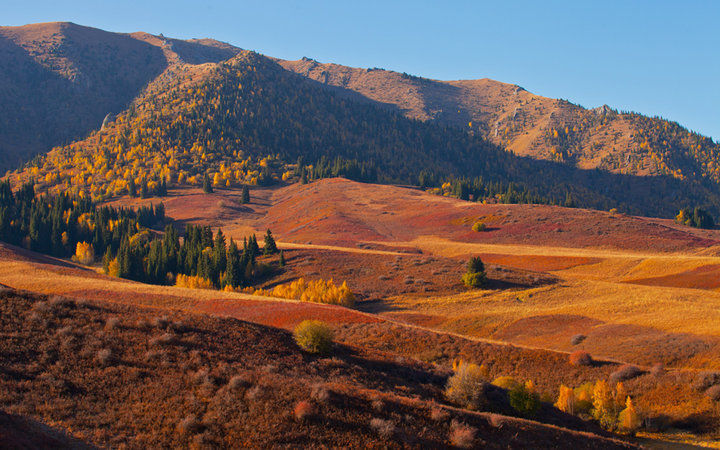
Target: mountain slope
{"type": "Point", "coordinates": [248, 121]}
{"type": "Point", "coordinates": [59, 80]}
{"type": "Point", "coordinates": [531, 125]}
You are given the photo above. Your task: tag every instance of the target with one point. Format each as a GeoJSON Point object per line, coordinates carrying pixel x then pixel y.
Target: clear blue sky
{"type": "Point", "coordinates": [656, 57]}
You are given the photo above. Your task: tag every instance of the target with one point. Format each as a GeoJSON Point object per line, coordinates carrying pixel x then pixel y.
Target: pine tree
{"type": "Point", "coordinates": [219, 258]}
{"type": "Point", "coordinates": [233, 276]}
{"type": "Point", "coordinates": [270, 247]}
{"type": "Point", "coordinates": [132, 190]}
{"type": "Point", "coordinates": [207, 184]}
{"type": "Point", "coordinates": [245, 198]}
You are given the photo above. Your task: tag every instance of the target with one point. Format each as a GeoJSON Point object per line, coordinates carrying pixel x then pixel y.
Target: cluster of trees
{"type": "Point", "coordinates": [612, 408]}
{"type": "Point", "coordinates": [203, 255]}
{"type": "Point", "coordinates": [55, 224]}
{"type": "Point", "coordinates": [64, 226]}
{"type": "Point", "coordinates": [697, 218]}
{"type": "Point", "coordinates": [316, 291]}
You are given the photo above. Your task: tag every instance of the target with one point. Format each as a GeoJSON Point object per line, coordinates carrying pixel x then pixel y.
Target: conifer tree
{"type": "Point", "coordinates": [282, 259]}
{"type": "Point", "coordinates": [245, 197]}
{"type": "Point", "coordinates": [207, 184]}
{"type": "Point", "coordinates": [270, 246]}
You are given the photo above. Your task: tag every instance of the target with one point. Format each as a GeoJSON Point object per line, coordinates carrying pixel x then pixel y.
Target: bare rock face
{"type": "Point", "coordinates": [108, 118]}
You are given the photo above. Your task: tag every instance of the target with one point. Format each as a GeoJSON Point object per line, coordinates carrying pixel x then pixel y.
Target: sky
{"type": "Point", "coordinates": [659, 58]}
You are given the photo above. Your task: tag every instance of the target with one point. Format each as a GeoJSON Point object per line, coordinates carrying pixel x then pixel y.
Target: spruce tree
{"type": "Point", "coordinates": [207, 184]}
{"type": "Point", "coordinates": [282, 259]}
{"type": "Point", "coordinates": [245, 198]}
{"type": "Point", "coordinates": [270, 246]}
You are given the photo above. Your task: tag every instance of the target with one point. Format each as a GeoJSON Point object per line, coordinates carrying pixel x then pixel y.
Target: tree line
{"type": "Point", "coordinates": [61, 225]}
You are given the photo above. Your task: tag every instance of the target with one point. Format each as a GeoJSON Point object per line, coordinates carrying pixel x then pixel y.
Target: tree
{"type": "Point", "coordinates": [207, 185]}
{"type": "Point", "coordinates": [566, 400]}
{"type": "Point", "coordinates": [282, 259]}
{"type": "Point", "coordinates": [132, 190]}
{"type": "Point", "coordinates": [475, 276]}
{"type": "Point", "coordinates": [628, 419]}
{"type": "Point", "coordinates": [233, 269]}
{"type": "Point", "coordinates": [84, 253]}
{"type": "Point", "coordinates": [270, 247]}
{"type": "Point", "coordinates": [245, 197]}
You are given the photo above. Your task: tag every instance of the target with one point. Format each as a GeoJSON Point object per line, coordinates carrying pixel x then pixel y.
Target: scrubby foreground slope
{"type": "Point", "coordinates": [119, 375]}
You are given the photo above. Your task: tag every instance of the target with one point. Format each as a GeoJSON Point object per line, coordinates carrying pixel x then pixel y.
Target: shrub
{"type": "Point", "coordinates": [314, 336]}
{"type": "Point", "coordinates": [474, 280]}
{"type": "Point", "coordinates": [104, 357]}
{"type": "Point", "coordinates": [576, 339]}
{"type": "Point", "coordinates": [467, 387]}
{"type": "Point", "coordinates": [657, 369]}
{"type": "Point", "coordinates": [524, 401]}
{"type": "Point", "coordinates": [479, 226]}
{"type": "Point", "coordinates": [303, 410]}
{"type": "Point", "coordinates": [625, 372]}
{"type": "Point", "coordinates": [439, 414]}
{"type": "Point", "coordinates": [506, 383]}
{"type": "Point", "coordinates": [580, 358]}
{"type": "Point", "coordinates": [462, 435]}
{"type": "Point", "coordinates": [384, 428]}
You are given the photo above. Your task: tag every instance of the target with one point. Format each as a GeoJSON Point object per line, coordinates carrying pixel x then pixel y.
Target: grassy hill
{"type": "Point", "coordinates": [123, 375]}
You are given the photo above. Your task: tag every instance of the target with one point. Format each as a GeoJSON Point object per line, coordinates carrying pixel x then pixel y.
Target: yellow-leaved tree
{"type": "Point", "coordinates": [84, 253]}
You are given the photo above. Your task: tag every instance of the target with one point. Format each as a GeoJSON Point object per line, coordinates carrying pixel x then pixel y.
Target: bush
{"type": "Point", "coordinates": [479, 226]}
{"type": "Point", "coordinates": [462, 435]}
{"type": "Point", "coordinates": [474, 280]}
{"type": "Point", "coordinates": [314, 336]}
{"type": "Point", "coordinates": [467, 387]}
{"type": "Point", "coordinates": [524, 401]}
{"type": "Point", "coordinates": [578, 338]}
{"type": "Point", "coordinates": [580, 358]}
{"type": "Point", "coordinates": [303, 410]}
{"type": "Point", "coordinates": [384, 428]}
{"type": "Point", "coordinates": [625, 372]}
{"type": "Point", "coordinates": [506, 383]}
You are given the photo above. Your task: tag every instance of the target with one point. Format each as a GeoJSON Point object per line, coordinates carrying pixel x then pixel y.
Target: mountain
{"type": "Point", "coordinates": [203, 108]}
{"type": "Point", "coordinates": [532, 125]}
{"type": "Point", "coordinates": [59, 80]}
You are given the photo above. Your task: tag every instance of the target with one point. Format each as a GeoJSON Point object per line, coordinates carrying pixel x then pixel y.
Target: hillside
{"type": "Point", "coordinates": [531, 125]}
{"type": "Point", "coordinates": [248, 121]}
{"type": "Point", "coordinates": [59, 80]}
{"type": "Point", "coordinates": [217, 381]}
